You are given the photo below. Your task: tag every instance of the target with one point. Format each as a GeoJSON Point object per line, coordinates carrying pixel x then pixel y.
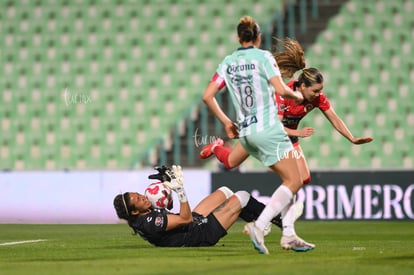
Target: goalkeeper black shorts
{"type": "Point", "coordinates": [204, 231]}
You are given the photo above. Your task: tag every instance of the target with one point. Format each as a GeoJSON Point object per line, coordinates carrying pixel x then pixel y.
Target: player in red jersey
{"type": "Point", "coordinates": [310, 84]}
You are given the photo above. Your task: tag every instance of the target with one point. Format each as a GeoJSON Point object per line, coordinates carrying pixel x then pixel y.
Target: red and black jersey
{"type": "Point", "coordinates": [293, 112]}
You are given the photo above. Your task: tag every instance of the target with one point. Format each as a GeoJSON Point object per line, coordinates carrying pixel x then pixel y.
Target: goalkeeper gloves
{"type": "Point", "coordinates": [161, 176]}
{"type": "Point", "coordinates": [176, 182]}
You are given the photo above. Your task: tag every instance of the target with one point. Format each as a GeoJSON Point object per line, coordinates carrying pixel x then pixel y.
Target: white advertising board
{"type": "Point", "coordinates": [80, 197]}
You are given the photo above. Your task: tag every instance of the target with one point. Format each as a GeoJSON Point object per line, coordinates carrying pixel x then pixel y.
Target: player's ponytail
{"type": "Point", "coordinates": [289, 56]}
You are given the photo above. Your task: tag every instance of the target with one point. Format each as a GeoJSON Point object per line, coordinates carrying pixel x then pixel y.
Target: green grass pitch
{"type": "Point", "coordinates": [351, 247]}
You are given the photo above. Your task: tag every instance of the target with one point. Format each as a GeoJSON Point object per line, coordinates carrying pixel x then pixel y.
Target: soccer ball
{"type": "Point", "coordinates": [159, 195]}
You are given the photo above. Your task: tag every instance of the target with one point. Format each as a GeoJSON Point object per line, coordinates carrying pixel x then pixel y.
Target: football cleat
{"type": "Point", "coordinates": [207, 150]}
{"type": "Point", "coordinates": [256, 237]}
{"type": "Point", "coordinates": [295, 243]}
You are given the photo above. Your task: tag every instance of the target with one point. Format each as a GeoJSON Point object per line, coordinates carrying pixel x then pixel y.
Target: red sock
{"type": "Point", "coordinates": [222, 154]}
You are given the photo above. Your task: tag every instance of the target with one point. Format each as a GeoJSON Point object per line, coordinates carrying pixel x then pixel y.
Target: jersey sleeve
{"type": "Point", "coordinates": [218, 80]}
{"type": "Point", "coordinates": [270, 66]}
{"type": "Point", "coordinates": [324, 103]}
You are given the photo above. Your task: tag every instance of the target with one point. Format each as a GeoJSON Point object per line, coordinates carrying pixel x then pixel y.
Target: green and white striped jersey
{"type": "Point", "coordinates": [246, 73]}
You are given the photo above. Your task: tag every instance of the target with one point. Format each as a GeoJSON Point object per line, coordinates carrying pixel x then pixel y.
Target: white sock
{"type": "Point", "coordinates": [279, 200]}
{"type": "Point", "coordinates": [227, 191]}
{"type": "Point", "coordinates": [243, 197]}
{"type": "Point", "coordinates": [288, 219]}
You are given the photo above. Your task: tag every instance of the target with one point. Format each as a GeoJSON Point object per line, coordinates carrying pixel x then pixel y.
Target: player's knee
{"type": "Point", "coordinates": [293, 184]}
{"type": "Point", "coordinates": [228, 164]}
{"type": "Point", "coordinates": [243, 197]}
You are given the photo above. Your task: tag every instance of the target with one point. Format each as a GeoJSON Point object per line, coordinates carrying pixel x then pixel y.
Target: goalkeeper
{"type": "Point", "coordinates": [205, 225]}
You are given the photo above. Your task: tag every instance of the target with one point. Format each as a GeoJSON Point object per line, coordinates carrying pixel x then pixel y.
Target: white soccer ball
{"type": "Point", "coordinates": [159, 195]}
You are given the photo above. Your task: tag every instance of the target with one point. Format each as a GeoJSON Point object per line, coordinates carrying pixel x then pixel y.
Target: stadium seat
{"type": "Point", "coordinates": [143, 69]}
{"type": "Point", "coordinates": [376, 78]}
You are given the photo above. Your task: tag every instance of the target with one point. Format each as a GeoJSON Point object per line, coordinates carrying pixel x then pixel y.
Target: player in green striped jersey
{"type": "Point", "coordinates": [252, 76]}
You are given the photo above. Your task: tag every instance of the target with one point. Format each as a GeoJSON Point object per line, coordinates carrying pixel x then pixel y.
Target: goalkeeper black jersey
{"type": "Point", "coordinates": [203, 231]}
